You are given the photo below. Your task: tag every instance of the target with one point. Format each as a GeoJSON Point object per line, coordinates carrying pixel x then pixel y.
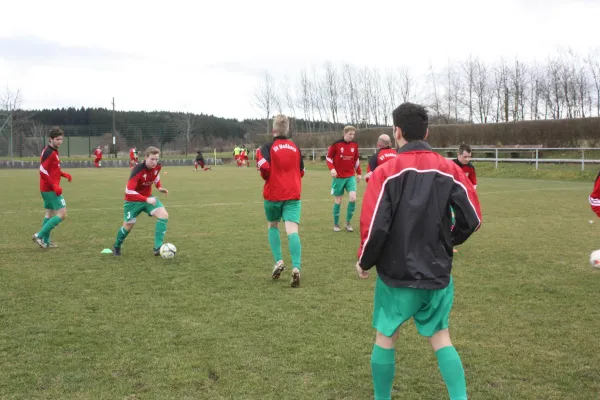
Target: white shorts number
{"type": "Point", "coordinates": [128, 215]}
{"type": "Point", "coordinates": [63, 202]}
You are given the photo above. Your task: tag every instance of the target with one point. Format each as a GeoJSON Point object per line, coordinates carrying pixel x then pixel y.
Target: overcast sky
{"type": "Point", "coordinates": [207, 57]}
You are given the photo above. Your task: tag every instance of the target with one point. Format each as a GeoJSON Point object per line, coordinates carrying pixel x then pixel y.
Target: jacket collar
{"type": "Point", "coordinates": [415, 145]}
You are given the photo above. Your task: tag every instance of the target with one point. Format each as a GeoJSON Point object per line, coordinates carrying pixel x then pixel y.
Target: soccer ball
{"type": "Point", "coordinates": [168, 250]}
{"type": "Point", "coordinates": [595, 259]}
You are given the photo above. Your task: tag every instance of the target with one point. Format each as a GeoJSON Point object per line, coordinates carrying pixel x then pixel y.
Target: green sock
{"type": "Point", "coordinates": [295, 249]}
{"type": "Point", "coordinates": [46, 238]}
{"type": "Point", "coordinates": [453, 373]}
{"type": "Point", "coordinates": [121, 235]}
{"type": "Point", "coordinates": [336, 213]}
{"type": "Point", "coordinates": [383, 365]}
{"type": "Point", "coordinates": [350, 210]}
{"type": "Point", "coordinates": [275, 244]}
{"type": "Point", "coordinates": [159, 232]}
{"type": "Point", "coordinates": [48, 226]}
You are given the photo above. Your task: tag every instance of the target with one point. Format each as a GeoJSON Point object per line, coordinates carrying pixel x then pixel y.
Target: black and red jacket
{"type": "Point", "coordinates": [281, 166]}
{"type": "Point", "coordinates": [383, 155]}
{"type": "Point", "coordinates": [405, 223]}
{"type": "Point", "coordinates": [469, 170]}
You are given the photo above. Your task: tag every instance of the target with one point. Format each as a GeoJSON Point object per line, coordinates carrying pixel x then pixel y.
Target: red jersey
{"type": "Point", "coordinates": [383, 155]}
{"type": "Point", "coordinates": [98, 153]}
{"type": "Point", "coordinates": [469, 171]}
{"type": "Point", "coordinates": [139, 185]}
{"type": "Point", "coordinates": [281, 166]}
{"type": "Point", "coordinates": [133, 154]}
{"type": "Point", "coordinates": [50, 172]}
{"type": "Point", "coordinates": [343, 156]}
{"type": "Point", "coordinates": [595, 196]}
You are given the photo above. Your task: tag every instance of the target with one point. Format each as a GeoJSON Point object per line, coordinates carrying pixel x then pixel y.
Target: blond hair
{"type": "Point", "coordinates": [150, 151]}
{"type": "Point", "coordinates": [281, 124]}
{"type": "Point", "coordinates": [349, 128]}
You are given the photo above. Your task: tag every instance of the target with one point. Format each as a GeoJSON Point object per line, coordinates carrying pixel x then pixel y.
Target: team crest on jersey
{"type": "Point", "coordinates": [144, 176]}
{"type": "Point", "coordinates": [155, 173]}
{"type": "Point", "coordinates": [352, 149]}
{"type": "Point", "coordinates": [342, 149]}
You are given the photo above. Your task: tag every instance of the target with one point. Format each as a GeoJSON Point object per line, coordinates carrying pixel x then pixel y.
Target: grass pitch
{"type": "Point", "coordinates": [210, 324]}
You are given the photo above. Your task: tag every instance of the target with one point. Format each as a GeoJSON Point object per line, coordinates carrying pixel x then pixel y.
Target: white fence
{"type": "Point", "coordinates": [530, 155]}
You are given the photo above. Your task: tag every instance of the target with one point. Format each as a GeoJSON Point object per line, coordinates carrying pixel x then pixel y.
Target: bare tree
{"type": "Point", "coordinates": [437, 96]}
{"type": "Point", "coordinates": [331, 90]}
{"type": "Point", "coordinates": [406, 84]}
{"type": "Point", "coordinates": [469, 69]}
{"type": "Point", "coordinates": [265, 98]}
{"type": "Point", "coordinates": [593, 62]}
{"type": "Point", "coordinates": [483, 91]}
{"type": "Point", "coordinates": [38, 131]}
{"type": "Point", "coordinates": [11, 101]}
{"type": "Point", "coordinates": [185, 125]}
{"type": "Point", "coordinates": [536, 87]}
{"type": "Point", "coordinates": [304, 99]}
{"type": "Point", "coordinates": [287, 96]}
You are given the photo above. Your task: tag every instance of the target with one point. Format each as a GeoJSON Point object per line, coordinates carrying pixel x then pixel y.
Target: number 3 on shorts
{"type": "Point", "coordinates": [63, 202]}
{"type": "Point", "coordinates": [128, 215]}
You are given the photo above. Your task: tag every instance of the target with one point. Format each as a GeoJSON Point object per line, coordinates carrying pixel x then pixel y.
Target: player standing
{"type": "Point", "coordinates": [133, 157]}
{"type": "Point", "coordinates": [200, 161]}
{"type": "Point", "coordinates": [463, 160]}
{"type": "Point", "coordinates": [236, 154]}
{"type": "Point", "coordinates": [405, 232]}
{"type": "Point", "coordinates": [138, 199]}
{"type": "Point", "coordinates": [50, 174]}
{"type": "Point", "coordinates": [343, 161]}
{"type": "Point", "coordinates": [384, 154]}
{"type": "Point", "coordinates": [98, 159]}
{"type": "Point", "coordinates": [281, 166]}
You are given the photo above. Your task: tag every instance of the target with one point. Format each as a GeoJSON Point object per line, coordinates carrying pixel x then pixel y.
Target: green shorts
{"type": "Point", "coordinates": [52, 201]}
{"type": "Point", "coordinates": [429, 307]}
{"type": "Point", "coordinates": [289, 210]}
{"type": "Point", "coordinates": [132, 209]}
{"type": "Point", "coordinates": [339, 184]}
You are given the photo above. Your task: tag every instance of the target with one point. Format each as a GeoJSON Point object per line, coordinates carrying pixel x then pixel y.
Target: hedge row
{"type": "Point", "coordinates": [582, 132]}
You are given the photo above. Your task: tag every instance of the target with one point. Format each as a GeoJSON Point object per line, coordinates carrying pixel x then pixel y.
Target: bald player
{"type": "Point", "coordinates": [385, 152]}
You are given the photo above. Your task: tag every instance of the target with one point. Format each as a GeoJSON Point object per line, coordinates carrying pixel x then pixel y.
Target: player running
{"type": "Point", "coordinates": [281, 166]}
{"type": "Point", "coordinates": [54, 203]}
{"type": "Point", "coordinates": [138, 199]}
{"type": "Point", "coordinates": [98, 154]}
{"type": "Point", "coordinates": [200, 161]}
{"type": "Point", "coordinates": [384, 154]}
{"type": "Point", "coordinates": [343, 161]}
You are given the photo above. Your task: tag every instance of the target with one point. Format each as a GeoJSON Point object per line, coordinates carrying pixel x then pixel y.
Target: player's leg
{"type": "Point", "coordinates": [291, 215]}
{"type": "Point", "coordinates": [391, 308]}
{"type": "Point", "coordinates": [432, 321]}
{"type": "Point", "coordinates": [351, 188]}
{"type": "Point", "coordinates": [160, 229]}
{"type": "Point", "coordinates": [58, 206]}
{"type": "Point", "coordinates": [131, 209]}
{"type": "Point", "coordinates": [337, 191]}
{"type": "Point", "coordinates": [195, 165]}
{"type": "Point", "coordinates": [273, 211]}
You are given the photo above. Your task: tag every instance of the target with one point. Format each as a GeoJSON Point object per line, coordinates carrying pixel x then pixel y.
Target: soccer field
{"type": "Point", "coordinates": [211, 324]}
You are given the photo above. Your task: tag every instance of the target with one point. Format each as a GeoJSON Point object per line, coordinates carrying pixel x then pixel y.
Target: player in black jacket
{"type": "Point", "coordinates": [405, 232]}
{"type": "Point", "coordinates": [200, 161]}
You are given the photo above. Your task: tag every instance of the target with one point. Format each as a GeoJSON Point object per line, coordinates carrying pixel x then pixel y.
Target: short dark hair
{"type": "Point", "coordinates": [412, 119]}
{"type": "Point", "coordinates": [464, 147]}
{"type": "Point", "coordinates": [56, 132]}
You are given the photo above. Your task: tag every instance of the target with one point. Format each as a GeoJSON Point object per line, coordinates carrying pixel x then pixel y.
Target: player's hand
{"type": "Point", "coordinates": [163, 190]}
{"type": "Point", "coordinates": [57, 189]}
{"type": "Point", "coordinates": [151, 200]}
{"type": "Point", "coordinates": [361, 272]}
{"type": "Point", "coordinates": [68, 176]}
{"type": "Point", "coordinates": [334, 173]}
{"type": "Point", "coordinates": [358, 178]}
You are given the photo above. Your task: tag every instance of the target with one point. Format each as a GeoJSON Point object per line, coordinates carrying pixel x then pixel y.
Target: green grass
{"type": "Point", "coordinates": [210, 324]}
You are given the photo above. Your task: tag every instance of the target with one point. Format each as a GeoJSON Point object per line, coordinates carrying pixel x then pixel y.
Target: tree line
{"type": "Point", "coordinates": [565, 85]}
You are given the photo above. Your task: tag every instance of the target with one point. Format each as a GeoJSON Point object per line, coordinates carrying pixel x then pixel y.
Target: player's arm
{"type": "Point", "coordinates": [357, 164]}
{"type": "Point", "coordinates": [467, 212]}
{"type": "Point", "coordinates": [330, 157]}
{"type": "Point", "coordinates": [302, 170]}
{"type": "Point", "coordinates": [371, 165]}
{"type": "Point", "coordinates": [375, 221]}
{"type": "Point", "coordinates": [473, 177]}
{"type": "Point", "coordinates": [595, 197]}
{"type": "Point", "coordinates": [262, 162]}
{"type": "Point", "coordinates": [132, 185]}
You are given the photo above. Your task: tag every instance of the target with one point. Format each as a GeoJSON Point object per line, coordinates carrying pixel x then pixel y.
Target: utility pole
{"type": "Point", "coordinates": [114, 130]}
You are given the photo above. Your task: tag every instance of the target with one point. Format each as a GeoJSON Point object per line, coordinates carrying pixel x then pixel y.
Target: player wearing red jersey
{"type": "Point", "coordinates": [463, 160]}
{"type": "Point", "coordinates": [133, 157]}
{"type": "Point", "coordinates": [343, 161]}
{"type": "Point", "coordinates": [199, 160]}
{"type": "Point", "coordinates": [138, 199]}
{"type": "Point", "coordinates": [281, 166]}
{"type": "Point", "coordinates": [98, 160]}
{"type": "Point", "coordinates": [50, 174]}
{"type": "Point", "coordinates": [594, 197]}
{"type": "Point", "coordinates": [384, 154]}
